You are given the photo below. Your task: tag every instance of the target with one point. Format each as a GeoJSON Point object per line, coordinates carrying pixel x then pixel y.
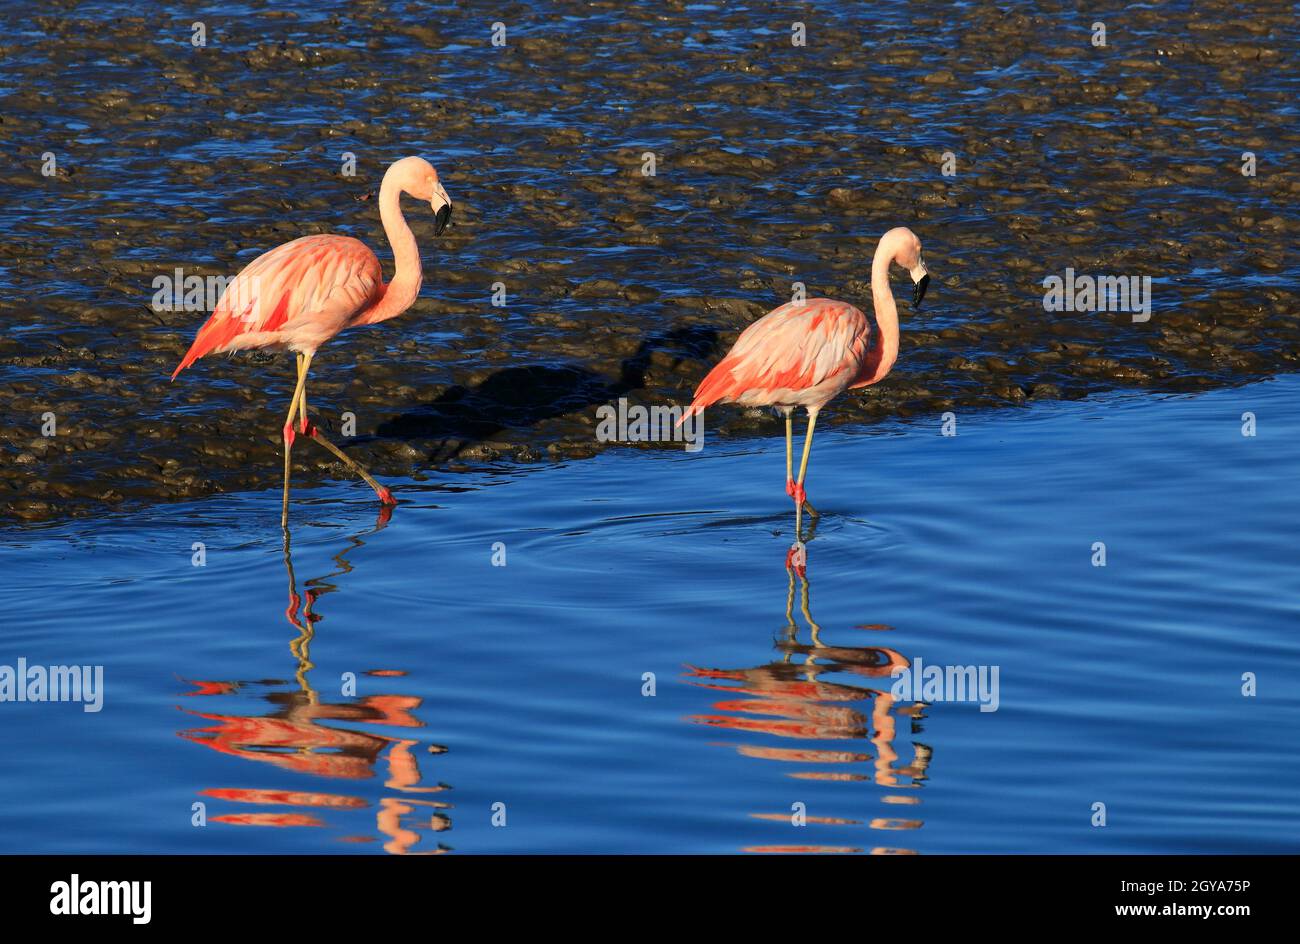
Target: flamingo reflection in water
{"type": "Point", "coordinates": [795, 698]}
{"type": "Point", "coordinates": [302, 734]}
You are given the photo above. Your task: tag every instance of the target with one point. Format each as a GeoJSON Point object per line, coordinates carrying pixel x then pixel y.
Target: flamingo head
{"type": "Point", "coordinates": [901, 247]}
{"type": "Point", "coordinates": [420, 180]}
{"type": "Point", "coordinates": [909, 257]}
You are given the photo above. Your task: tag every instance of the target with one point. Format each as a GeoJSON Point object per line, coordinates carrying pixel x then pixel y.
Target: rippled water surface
{"type": "Point", "coordinates": [524, 684]}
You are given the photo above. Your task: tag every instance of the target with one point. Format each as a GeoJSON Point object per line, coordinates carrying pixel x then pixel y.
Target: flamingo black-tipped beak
{"type": "Point", "coordinates": [918, 292]}
{"type": "Point", "coordinates": [441, 220]}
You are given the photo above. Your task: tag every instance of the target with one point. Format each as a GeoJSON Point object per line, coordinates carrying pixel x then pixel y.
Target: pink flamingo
{"type": "Point", "coordinates": [808, 353]}
{"type": "Point", "coordinates": [300, 294]}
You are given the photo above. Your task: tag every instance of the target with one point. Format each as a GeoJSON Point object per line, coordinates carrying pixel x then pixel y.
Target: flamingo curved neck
{"type": "Point", "coordinates": [884, 352]}
{"type": "Point", "coordinates": [401, 292]}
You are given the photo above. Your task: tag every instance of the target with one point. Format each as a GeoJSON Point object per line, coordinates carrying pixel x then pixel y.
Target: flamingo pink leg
{"type": "Point", "coordinates": [792, 488]}
{"type": "Point", "coordinates": [789, 452]}
{"type": "Point", "coordinates": [384, 494]}
{"type": "Point", "coordinates": [800, 497]}
{"type": "Point", "coordinates": [289, 435]}
{"type": "Point", "coordinates": [310, 429]}
{"type": "Point", "coordinates": [302, 404]}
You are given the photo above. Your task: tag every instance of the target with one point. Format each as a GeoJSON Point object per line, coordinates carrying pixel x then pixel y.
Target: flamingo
{"type": "Point", "coordinates": [808, 353]}
{"type": "Point", "coordinates": [300, 294]}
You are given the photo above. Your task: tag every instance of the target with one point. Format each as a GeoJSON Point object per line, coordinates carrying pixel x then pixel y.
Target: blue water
{"type": "Point", "coordinates": [523, 684]}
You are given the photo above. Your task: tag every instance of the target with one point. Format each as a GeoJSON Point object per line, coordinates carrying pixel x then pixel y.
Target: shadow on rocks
{"type": "Point", "coordinates": [520, 397]}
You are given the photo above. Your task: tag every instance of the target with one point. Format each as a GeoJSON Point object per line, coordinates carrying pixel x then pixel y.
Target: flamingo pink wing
{"type": "Point", "coordinates": [795, 347]}
{"type": "Point", "coordinates": [285, 286]}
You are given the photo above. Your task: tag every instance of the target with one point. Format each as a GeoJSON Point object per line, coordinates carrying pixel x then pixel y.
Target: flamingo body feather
{"type": "Point", "coordinates": [295, 297]}
{"type": "Point", "coordinates": [800, 354]}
